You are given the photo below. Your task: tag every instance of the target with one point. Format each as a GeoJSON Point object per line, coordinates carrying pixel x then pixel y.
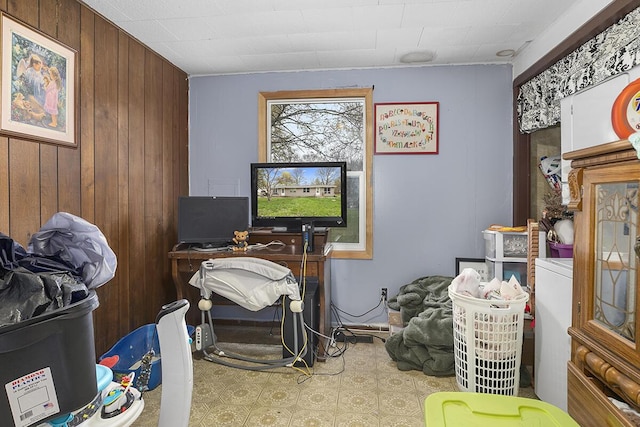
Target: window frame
{"type": "Point", "coordinates": [361, 93]}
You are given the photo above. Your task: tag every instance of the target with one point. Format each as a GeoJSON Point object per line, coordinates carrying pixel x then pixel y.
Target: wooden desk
{"type": "Point", "coordinates": [185, 263]}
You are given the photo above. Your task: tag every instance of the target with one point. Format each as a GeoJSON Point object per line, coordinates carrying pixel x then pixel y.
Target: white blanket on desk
{"type": "Point", "coordinates": [252, 283]}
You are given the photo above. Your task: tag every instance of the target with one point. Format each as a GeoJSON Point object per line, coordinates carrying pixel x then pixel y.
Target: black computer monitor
{"type": "Point", "coordinates": [209, 221]}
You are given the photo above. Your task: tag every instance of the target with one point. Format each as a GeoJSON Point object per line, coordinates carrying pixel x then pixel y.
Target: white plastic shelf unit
{"type": "Point", "coordinates": [506, 254]}
{"type": "Point", "coordinates": [505, 245]}
{"type": "Point", "coordinates": [503, 270]}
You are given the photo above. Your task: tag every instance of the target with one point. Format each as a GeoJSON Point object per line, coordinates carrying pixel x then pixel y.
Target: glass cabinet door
{"type": "Point", "coordinates": [615, 282]}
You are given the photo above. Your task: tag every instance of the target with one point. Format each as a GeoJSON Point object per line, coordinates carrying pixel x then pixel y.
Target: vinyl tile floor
{"type": "Point", "coordinates": [363, 387]}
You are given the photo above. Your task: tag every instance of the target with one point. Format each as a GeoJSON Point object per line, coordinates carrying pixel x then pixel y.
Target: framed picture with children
{"type": "Point", "coordinates": [38, 92]}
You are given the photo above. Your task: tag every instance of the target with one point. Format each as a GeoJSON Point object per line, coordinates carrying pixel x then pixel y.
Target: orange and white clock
{"type": "Point", "coordinates": [625, 113]}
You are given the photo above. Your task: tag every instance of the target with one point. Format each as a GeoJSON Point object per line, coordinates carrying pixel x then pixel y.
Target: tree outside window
{"type": "Point", "coordinates": [326, 125]}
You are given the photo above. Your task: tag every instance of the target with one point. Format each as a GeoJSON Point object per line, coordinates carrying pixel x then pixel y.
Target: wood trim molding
{"type": "Point", "coordinates": [575, 190]}
{"type": "Point", "coordinates": [603, 153]}
{"type": "Point", "coordinates": [533, 250]}
{"type": "Point", "coordinates": [367, 94]}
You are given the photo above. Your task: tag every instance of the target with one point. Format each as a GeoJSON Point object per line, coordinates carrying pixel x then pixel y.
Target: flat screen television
{"type": "Point", "coordinates": [209, 221]}
{"type": "Point", "coordinates": [286, 195]}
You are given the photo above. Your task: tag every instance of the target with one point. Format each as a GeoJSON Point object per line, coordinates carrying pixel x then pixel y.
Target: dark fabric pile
{"type": "Point", "coordinates": [426, 342]}
{"type": "Point", "coordinates": [25, 294]}
{"type": "Point", "coordinates": [64, 260]}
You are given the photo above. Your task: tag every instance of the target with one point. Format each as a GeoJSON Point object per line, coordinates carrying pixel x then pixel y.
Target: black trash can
{"type": "Point", "coordinates": [48, 364]}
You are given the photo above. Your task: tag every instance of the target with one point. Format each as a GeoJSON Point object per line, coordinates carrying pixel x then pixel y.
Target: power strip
{"type": "Point", "coordinates": [341, 337]}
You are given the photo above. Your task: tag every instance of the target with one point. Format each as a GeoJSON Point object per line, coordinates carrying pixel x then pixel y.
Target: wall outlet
{"type": "Point", "coordinates": [383, 294]}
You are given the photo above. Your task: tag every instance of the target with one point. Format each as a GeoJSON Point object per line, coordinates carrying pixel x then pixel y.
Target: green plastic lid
{"type": "Point", "coordinates": [456, 409]}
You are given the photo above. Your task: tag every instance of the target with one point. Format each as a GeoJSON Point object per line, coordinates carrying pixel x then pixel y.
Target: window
{"type": "Point", "coordinates": [326, 125]}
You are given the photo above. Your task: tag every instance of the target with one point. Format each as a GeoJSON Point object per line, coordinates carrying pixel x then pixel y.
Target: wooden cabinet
{"type": "Point", "coordinates": [605, 355]}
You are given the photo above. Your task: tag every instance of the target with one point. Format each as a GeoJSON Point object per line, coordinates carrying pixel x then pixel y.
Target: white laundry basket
{"type": "Point", "coordinates": [487, 340]}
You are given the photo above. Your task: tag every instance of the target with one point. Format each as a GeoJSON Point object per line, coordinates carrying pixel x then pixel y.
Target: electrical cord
{"type": "Point", "coordinates": [336, 315]}
{"type": "Point", "coordinates": [337, 353]}
{"type": "Point", "coordinates": [258, 246]}
{"type": "Point", "coordinates": [255, 246]}
{"type": "Point", "coordinates": [342, 328]}
{"type": "Point", "coordinates": [275, 316]}
{"type": "Point", "coordinates": [306, 372]}
{"type": "Point", "coordinates": [303, 286]}
{"type": "Point", "coordinates": [311, 371]}
{"type": "Point", "coordinates": [358, 315]}
{"type": "Point", "coordinates": [303, 270]}
{"type": "Point", "coordinates": [301, 352]}
{"type": "Point", "coordinates": [317, 333]}
{"type": "Point", "coordinates": [189, 259]}
{"type": "Point", "coordinates": [339, 350]}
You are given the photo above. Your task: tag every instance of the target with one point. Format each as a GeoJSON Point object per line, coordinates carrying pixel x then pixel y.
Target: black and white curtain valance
{"type": "Point", "coordinates": [615, 50]}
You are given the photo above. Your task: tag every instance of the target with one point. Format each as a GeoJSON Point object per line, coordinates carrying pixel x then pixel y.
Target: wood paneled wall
{"type": "Point", "coordinates": [126, 174]}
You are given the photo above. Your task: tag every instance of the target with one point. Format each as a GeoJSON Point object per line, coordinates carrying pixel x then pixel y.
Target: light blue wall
{"type": "Point", "coordinates": [428, 209]}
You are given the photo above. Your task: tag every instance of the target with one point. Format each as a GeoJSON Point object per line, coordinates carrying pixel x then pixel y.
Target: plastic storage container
{"type": "Point", "coordinates": [504, 271]}
{"type": "Point", "coordinates": [559, 250]}
{"type": "Point", "coordinates": [130, 350]}
{"type": "Point", "coordinates": [48, 364]}
{"type": "Point", "coordinates": [453, 409]}
{"type": "Point", "coordinates": [504, 244]}
{"type": "Point", "coordinates": [487, 343]}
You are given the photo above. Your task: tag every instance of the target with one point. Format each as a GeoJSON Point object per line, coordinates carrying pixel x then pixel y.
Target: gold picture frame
{"type": "Point", "coordinates": [38, 85]}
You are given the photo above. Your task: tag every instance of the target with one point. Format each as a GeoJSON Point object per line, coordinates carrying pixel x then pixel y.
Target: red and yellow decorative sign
{"type": "Point", "coordinates": [409, 128]}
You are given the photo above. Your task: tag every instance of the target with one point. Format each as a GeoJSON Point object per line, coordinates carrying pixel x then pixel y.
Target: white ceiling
{"type": "Point", "coordinates": [239, 36]}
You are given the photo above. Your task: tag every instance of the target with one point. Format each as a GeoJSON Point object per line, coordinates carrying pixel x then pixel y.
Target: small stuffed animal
{"type": "Point", "coordinates": [240, 240]}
